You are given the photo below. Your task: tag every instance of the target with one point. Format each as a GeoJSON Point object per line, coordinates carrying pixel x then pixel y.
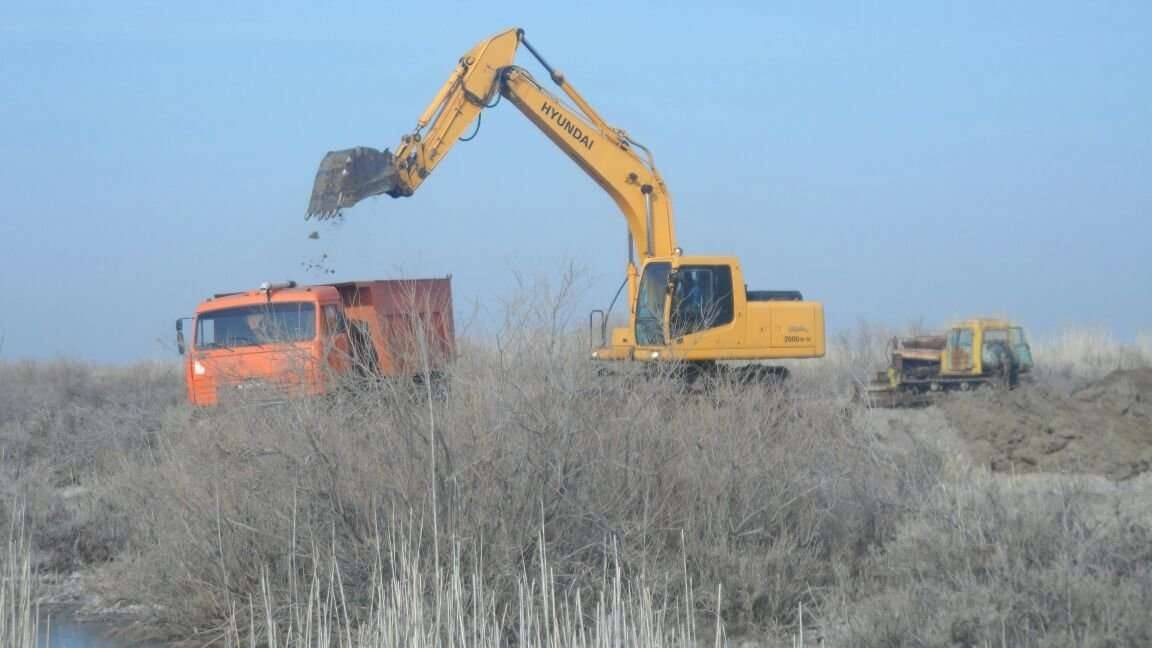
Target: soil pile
{"type": "Point", "coordinates": [1104, 428]}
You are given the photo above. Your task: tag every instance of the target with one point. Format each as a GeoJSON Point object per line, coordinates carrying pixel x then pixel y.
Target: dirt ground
{"type": "Point", "coordinates": [1104, 428]}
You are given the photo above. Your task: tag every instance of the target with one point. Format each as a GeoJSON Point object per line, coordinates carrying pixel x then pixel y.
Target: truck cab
{"type": "Point", "coordinates": [284, 340]}
{"type": "Point", "coordinates": [279, 336]}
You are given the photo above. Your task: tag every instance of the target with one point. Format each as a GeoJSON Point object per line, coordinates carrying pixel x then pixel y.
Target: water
{"type": "Point", "coordinates": [63, 630]}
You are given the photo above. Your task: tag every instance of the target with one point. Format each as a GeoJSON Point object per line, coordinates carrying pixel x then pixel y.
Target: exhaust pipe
{"type": "Point", "coordinates": [346, 177]}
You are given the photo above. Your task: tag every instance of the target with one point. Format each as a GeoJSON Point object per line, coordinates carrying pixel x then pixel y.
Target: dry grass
{"type": "Point", "coordinates": [19, 614]}
{"type": "Point", "coordinates": [544, 502]}
{"type": "Point", "coordinates": [424, 604]}
{"type": "Point", "coordinates": [851, 358]}
{"type": "Point", "coordinates": [1012, 561]}
{"type": "Point", "coordinates": [65, 426]}
{"type": "Point", "coordinates": [1078, 356]}
{"type": "Point", "coordinates": [765, 494]}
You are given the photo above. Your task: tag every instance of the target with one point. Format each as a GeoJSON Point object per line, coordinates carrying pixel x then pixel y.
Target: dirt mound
{"type": "Point", "coordinates": [1124, 393]}
{"type": "Point", "coordinates": [1104, 428]}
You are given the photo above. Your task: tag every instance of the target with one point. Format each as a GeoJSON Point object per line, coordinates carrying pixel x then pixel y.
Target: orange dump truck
{"type": "Point", "coordinates": [288, 340]}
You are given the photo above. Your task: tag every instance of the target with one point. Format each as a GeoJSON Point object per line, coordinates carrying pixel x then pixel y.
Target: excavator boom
{"type": "Point", "coordinates": [482, 76]}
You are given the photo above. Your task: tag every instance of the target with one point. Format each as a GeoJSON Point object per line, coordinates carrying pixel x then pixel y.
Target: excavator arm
{"type": "Point", "coordinates": [740, 325]}
{"type": "Point", "coordinates": [483, 75]}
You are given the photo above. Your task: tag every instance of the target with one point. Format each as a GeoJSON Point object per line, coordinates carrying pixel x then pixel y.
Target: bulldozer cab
{"type": "Point", "coordinates": [979, 347]}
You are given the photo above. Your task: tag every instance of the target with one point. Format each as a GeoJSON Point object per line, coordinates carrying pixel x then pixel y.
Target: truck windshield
{"type": "Point", "coordinates": [256, 325]}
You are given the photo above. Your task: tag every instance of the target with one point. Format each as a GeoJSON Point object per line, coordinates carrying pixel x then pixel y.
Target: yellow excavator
{"type": "Point", "coordinates": [693, 310]}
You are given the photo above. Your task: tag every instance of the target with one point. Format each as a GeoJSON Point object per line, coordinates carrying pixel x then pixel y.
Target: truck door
{"type": "Point", "coordinates": [336, 344]}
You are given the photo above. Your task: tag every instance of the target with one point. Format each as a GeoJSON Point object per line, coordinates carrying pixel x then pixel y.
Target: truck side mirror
{"type": "Point", "coordinates": [180, 335]}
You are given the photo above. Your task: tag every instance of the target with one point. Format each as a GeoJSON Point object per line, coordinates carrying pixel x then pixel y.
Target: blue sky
{"type": "Point", "coordinates": [898, 161]}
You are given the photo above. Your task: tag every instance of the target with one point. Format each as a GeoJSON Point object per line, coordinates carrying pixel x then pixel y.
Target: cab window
{"type": "Point", "coordinates": [964, 340]}
{"type": "Point", "coordinates": [995, 335]}
{"type": "Point", "coordinates": [1016, 336]}
{"type": "Point", "coordinates": [701, 299]}
{"type": "Point", "coordinates": [256, 325]}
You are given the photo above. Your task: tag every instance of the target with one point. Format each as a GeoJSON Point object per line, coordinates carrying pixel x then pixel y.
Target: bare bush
{"type": "Point", "coordinates": [65, 425]}
{"type": "Point", "coordinates": [774, 495]}
{"type": "Point", "coordinates": [1078, 356]}
{"type": "Point", "coordinates": [852, 358]}
{"type": "Point", "coordinates": [515, 490]}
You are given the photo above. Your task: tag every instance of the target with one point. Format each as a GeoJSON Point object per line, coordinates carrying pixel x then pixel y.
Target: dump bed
{"type": "Point", "coordinates": [405, 324]}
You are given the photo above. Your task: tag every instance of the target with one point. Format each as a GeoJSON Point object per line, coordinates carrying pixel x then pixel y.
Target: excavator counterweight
{"type": "Point", "coordinates": [346, 177]}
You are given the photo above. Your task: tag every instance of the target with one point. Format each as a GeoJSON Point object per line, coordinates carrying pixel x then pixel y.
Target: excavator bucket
{"type": "Point", "coordinates": [346, 177]}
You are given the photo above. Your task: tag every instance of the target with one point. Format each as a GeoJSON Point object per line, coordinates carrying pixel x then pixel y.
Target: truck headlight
{"type": "Point", "coordinates": [655, 355]}
{"type": "Point", "coordinates": [198, 368]}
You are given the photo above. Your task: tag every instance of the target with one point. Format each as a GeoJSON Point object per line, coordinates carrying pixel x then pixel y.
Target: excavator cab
{"type": "Point", "coordinates": [985, 348]}
{"type": "Point", "coordinates": [697, 309]}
